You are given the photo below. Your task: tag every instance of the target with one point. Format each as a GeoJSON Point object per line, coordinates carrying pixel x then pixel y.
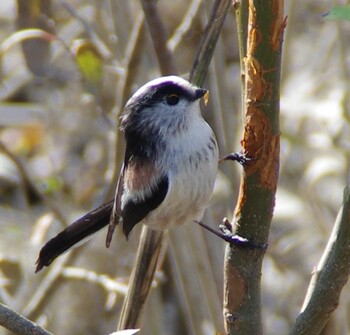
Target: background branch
{"type": "Point", "coordinates": [131, 62]}
{"type": "Point", "coordinates": [159, 37]}
{"type": "Point", "coordinates": [30, 189]}
{"type": "Point", "coordinates": [141, 278]}
{"type": "Point", "coordinates": [208, 43]}
{"type": "Point", "coordinates": [18, 324]}
{"type": "Point", "coordinates": [328, 278]}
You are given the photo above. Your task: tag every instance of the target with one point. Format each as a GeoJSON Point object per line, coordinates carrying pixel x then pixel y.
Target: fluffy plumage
{"type": "Point", "coordinates": [170, 162]}
{"type": "Point", "coordinates": [171, 157]}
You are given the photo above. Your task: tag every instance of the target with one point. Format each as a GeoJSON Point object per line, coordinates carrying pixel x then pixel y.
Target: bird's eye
{"type": "Point", "coordinates": [172, 99]}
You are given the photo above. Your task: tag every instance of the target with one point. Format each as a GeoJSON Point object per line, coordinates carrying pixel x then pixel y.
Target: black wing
{"type": "Point", "coordinates": [76, 232]}
{"type": "Point", "coordinates": [138, 175]}
{"type": "Point", "coordinates": [133, 212]}
{"type": "Point", "coordinates": [116, 212]}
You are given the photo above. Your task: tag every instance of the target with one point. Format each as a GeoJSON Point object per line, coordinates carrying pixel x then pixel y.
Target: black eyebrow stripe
{"type": "Point", "coordinates": [160, 92]}
{"type": "Point", "coordinates": [156, 93]}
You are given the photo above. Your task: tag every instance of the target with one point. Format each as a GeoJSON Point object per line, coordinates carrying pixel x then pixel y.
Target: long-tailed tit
{"type": "Point", "coordinates": [169, 169]}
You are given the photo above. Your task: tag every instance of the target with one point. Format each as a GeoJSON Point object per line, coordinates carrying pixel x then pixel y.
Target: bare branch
{"type": "Point", "coordinates": [31, 191]}
{"type": "Point", "coordinates": [18, 324]}
{"type": "Point", "coordinates": [131, 61]}
{"type": "Point", "coordinates": [45, 286]}
{"type": "Point", "coordinates": [210, 36]}
{"type": "Point", "coordinates": [329, 277]}
{"type": "Point", "coordinates": [185, 25]}
{"type": "Point", "coordinates": [159, 37]}
{"type": "Point", "coordinates": [104, 281]}
{"type": "Point", "coordinates": [141, 277]}
{"type": "Point", "coordinates": [263, 30]}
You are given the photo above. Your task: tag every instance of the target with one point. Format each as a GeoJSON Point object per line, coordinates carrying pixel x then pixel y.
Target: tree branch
{"type": "Point", "coordinates": [18, 324]}
{"type": "Point", "coordinates": [260, 141]}
{"type": "Point", "coordinates": [141, 277]}
{"type": "Point", "coordinates": [208, 43]}
{"type": "Point", "coordinates": [329, 277]}
{"type": "Point", "coordinates": [159, 37]}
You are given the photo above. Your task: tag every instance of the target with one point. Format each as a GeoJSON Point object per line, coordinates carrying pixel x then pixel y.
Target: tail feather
{"type": "Point", "coordinates": [73, 234]}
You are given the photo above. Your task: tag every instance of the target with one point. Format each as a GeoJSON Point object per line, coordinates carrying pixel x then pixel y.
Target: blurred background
{"type": "Point", "coordinates": [60, 97]}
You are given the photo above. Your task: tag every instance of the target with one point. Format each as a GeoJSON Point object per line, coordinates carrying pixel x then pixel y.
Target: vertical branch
{"type": "Point", "coordinates": [132, 61]}
{"type": "Point", "coordinates": [208, 43]}
{"type": "Point", "coordinates": [141, 278]}
{"type": "Point", "coordinates": [260, 141]}
{"type": "Point", "coordinates": [241, 10]}
{"type": "Point", "coordinates": [159, 37]}
{"type": "Point", "coordinates": [150, 240]}
{"type": "Point", "coordinates": [36, 51]}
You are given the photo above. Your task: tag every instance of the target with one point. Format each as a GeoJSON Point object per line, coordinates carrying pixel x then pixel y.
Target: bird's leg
{"type": "Point", "coordinates": [239, 157]}
{"type": "Point", "coordinates": [225, 232]}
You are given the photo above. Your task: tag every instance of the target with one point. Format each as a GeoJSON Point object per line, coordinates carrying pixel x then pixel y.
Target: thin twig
{"type": "Point", "coordinates": [185, 25]}
{"type": "Point", "coordinates": [141, 277]}
{"type": "Point", "coordinates": [18, 324]}
{"type": "Point", "coordinates": [131, 61]}
{"type": "Point", "coordinates": [101, 46]}
{"type": "Point", "coordinates": [210, 36]}
{"type": "Point", "coordinates": [31, 191]}
{"type": "Point", "coordinates": [328, 278]}
{"type": "Point", "coordinates": [92, 277]}
{"type": "Point", "coordinates": [46, 285]}
{"type": "Point", "coordinates": [194, 277]}
{"type": "Point", "coordinates": [159, 37]}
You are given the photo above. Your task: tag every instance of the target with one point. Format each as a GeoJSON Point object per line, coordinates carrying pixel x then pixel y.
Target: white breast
{"type": "Point", "coordinates": [192, 164]}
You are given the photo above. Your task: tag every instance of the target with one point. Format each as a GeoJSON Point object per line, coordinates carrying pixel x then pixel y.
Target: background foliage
{"type": "Point", "coordinates": [59, 154]}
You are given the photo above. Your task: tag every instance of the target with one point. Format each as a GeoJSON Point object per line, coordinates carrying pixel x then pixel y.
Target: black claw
{"type": "Point", "coordinates": [239, 241]}
{"type": "Point", "coordinates": [236, 240]}
{"type": "Point", "coordinates": [226, 227]}
{"type": "Point", "coordinates": [239, 157]}
{"type": "Point", "coordinates": [226, 234]}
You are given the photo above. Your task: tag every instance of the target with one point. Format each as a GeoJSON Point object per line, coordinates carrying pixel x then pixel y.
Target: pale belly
{"type": "Point", "coordinates": [189, 195]}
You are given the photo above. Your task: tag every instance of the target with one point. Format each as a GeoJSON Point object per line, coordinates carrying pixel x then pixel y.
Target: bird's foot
{"type": "Point", "coordinates": [225, 232]}
{"type": "Point", "coordinates": [239, 157]}
{"type": "Point", "coordinates": [236, 240]}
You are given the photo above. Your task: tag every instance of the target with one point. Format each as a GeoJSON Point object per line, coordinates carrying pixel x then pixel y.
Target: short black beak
{"type": "Point", "coordinates": [199, 93]}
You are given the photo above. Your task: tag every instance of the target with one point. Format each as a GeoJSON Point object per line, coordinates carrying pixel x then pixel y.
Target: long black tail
{"type": "Point", "coordinates": [76, 232]}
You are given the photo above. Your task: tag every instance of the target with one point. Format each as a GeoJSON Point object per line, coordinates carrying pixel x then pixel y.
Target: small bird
{"type": "Point", "coordinates": [169, 170]}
